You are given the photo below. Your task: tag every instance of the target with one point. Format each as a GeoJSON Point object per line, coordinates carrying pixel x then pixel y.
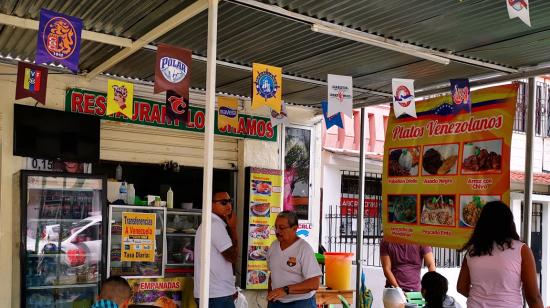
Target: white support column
{"type": "Point", "coordinates": [206, 235]}
{"type": "Point", "coordinates": [528, 191]}
{"type": "Point", "coordinates": [545, 262]}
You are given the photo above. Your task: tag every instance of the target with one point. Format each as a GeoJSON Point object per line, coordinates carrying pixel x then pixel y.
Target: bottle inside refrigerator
{"type": "Point", "coordinates": [62, 230]}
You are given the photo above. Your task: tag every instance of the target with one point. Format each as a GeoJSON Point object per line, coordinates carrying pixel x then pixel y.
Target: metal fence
{"type": "Point", "coordinates": [542, 103]}
{"type": "Point", "coordinates": [341, 222]}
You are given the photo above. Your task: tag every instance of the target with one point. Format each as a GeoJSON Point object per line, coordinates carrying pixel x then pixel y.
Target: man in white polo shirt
{"type": "Point", "coordinates": [294, 270]}
{"type": "Point", "coordinates": [223, 254]}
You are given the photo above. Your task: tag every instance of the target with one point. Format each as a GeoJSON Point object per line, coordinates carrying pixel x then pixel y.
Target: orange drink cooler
{"type": "Point", "coordinates": [338, 270]}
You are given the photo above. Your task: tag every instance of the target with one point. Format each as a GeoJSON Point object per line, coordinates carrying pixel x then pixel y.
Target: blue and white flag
{"type": "Point", "coordinates": [403, 97]}
{"type": "Point", "coordinates": [332, 120]}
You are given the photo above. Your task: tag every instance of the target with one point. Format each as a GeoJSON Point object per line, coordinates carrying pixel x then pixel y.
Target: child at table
{"type": "Point", "coordinates": [434, 291]}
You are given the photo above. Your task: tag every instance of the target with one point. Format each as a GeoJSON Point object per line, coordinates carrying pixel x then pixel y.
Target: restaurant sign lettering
{"type": "Point", "coordinates": [151, 113]}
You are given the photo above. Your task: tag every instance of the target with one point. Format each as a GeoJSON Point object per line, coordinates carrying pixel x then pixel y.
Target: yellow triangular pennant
{"type": "Point", "coordinates": [228, 112]}
{"type": "Point", "coordinates": [267, 85]}
{"type": "Point", "coordinates": [120, 97]}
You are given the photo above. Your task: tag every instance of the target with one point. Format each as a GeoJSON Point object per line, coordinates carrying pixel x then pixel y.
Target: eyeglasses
{"type": "Point", "coordinates": [224, 201]}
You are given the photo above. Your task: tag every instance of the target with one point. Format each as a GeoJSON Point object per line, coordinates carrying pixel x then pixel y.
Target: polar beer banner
{"type": "Point", "coordinates": [443, 167]}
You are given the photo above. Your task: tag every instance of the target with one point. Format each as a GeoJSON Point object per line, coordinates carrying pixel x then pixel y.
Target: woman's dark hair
{"type": "Point", "coordinates": [434, 287]}
{"type": "Point", "coordinates": [495, 225]}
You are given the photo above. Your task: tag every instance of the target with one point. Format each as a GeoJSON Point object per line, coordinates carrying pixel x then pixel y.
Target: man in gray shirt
{"type": "Point", "coordinates": [294, 270]}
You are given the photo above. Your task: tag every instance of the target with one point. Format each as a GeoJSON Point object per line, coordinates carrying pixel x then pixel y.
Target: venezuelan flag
{"type": "Point", "coordinates": [32, 80]}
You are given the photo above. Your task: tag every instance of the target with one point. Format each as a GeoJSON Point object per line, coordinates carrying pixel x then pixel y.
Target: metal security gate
{"type": "Point", "coordinates": [342, 222]}
{"type": "Point", "coordinates": [536, 238]}
{"type": "Point", "coordinates": [342, 218]}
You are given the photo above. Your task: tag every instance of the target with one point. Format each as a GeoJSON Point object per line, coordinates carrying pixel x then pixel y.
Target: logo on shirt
{"type": "Point", "coordinates": [291, 261]}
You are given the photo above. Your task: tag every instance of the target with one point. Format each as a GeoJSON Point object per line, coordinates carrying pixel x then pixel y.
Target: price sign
{"type": "Point", "coordinates": [39, 164]}
{"type": "Point", "coordinates": [59, 166]}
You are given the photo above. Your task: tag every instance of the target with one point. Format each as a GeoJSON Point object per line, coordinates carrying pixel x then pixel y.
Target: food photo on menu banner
{"type": "Point", "coordinates": [257, 253]}
{"type": "Point", "coordinates": [438, 210]}
{"type": "Point", "coordinates": [404, 161]}
{"type": "Point", "coordinates": [482, 157]}
{"type": "Point", "coordinates": [471, 206]}
{"type": "Point", "coordinates": [260, 209]}
{"type": "Point", "coordinates": [440, 159]}
{"type": "Point", "coordinates": [259, 231]}
{"type": "Point", "coordinates": [261, 187]}
{"type": "Point", "coordinates": [256, 277]}
{"type": "Point", "coordinates": [402, 208]}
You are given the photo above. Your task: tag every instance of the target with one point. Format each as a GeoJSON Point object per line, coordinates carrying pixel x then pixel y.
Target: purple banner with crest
{"type": "Point", "coordinates": [460, 94]}
{"type": "Point", "coordinates": [59, 39]}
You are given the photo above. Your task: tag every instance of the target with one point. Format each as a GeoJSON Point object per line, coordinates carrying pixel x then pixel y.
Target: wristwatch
{"type": "Point", "coordinates": [287, 291]}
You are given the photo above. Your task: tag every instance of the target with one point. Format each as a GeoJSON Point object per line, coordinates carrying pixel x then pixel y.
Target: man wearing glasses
{"type": "Point", "coordinates": [223, 254]}
{"type": "Point", "coordinates": [294, 270]}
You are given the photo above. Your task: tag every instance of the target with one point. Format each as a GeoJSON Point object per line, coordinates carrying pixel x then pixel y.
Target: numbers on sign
{"type": "Point", "coordinates": [39, 164]}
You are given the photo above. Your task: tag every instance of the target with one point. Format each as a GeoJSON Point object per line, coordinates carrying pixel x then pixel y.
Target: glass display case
{"type": "Point", "coordinates": [181, 226]}
{"type": "Point", "coordinates": [136, 241]}
{"type": "Point", "coordinates": [61, 232]}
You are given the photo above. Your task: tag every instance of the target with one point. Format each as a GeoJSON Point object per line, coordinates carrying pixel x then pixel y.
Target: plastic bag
{"type": "Point", "coordinates": [394, 298]}
{"type": "Point", "coordinates": [241, 301]}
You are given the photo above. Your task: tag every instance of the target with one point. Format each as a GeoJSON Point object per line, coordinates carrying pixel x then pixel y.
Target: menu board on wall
{"type": "Point", "coordinates": [441, 168]}
{"type": "Point", "coordinates": [263, 200]}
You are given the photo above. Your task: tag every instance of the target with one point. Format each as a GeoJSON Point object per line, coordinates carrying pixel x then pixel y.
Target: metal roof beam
{"type": "Point", "coordinates": [32, 24]}
{"type": "Point", "coordinates": [371, 39]}
{"type": "Point", "coordinates": [174, 21]}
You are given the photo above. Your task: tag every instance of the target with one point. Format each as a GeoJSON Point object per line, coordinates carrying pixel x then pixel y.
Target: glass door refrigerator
{"type": "Point", "coordinates": [62, 253]}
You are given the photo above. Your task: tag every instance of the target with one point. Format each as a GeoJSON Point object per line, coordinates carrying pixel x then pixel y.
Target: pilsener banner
{"type": "Point", "coordinates": [441, 168]}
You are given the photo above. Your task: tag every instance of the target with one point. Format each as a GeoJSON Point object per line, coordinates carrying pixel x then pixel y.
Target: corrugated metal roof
{"type": "Point", "coordinates": [477, 29]}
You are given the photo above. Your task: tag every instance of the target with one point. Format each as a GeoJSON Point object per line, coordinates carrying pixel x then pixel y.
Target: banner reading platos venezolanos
{"type": "Point", "coordinates": [441, 168]}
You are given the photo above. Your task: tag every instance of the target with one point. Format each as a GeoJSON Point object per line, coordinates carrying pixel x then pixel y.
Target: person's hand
{"type": "Point", "coordinates": [276, 294]}
{"type": "Point", "coordinates": [231, 220]}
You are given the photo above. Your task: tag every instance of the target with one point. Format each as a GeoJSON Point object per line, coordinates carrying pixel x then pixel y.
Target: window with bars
{"type": "Point", "coordinates": [542, 103]}
{"type": "Point", "coordinates": [521, 106]}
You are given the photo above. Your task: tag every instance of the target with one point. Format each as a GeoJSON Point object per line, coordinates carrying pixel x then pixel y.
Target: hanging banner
{"type": "Point", "coordinates": [177, 108]}
{"type": "Point", "coordinates": [138, 237]}
{"type": "Point", "coordinates": [461, 100]}
{"type": "Point", "coordinates": [228, 114]}
{"type": "Point", "coordinates": [59, 39]}
{"type": "Point", "coordinates": [263, 197]}
{"type": "Point", "coordinates": [333, 120]}
{"type": "Point", "coordinates": [174, 292]}
{"type": "Point", "coordinates": [173, 70]}
{"type": "Point", "coordinates": [519, 9]}
{"type": "Point", "coordinates": [151, 113]}
{"type": "Point", "coordinates": [403, 97]}
{"type": "Point", "coordinates": [267, 86]}
{"type": "Point", "coordinates": [120, 96]}
{"type": "Point", "coordinates": [279, 117]}
{"type": "Point", "coordinates": [439, 171]}
{"type": "Point", "coordinates": [32, 81]}
{"type": "Point", "coordinates": [340, 95]}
